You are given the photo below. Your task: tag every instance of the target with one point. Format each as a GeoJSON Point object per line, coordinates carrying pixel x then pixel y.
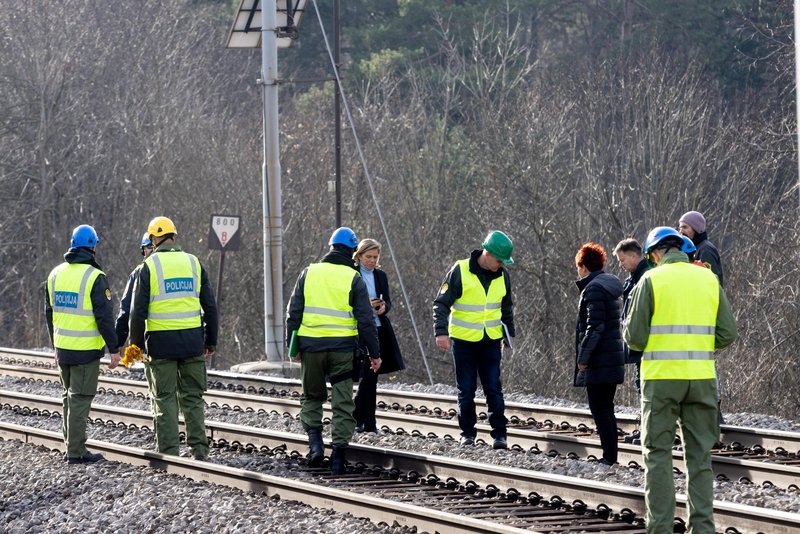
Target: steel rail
{"type": "Point", "coordinates": [389, 397]}
{"type": "Point", "coordinates": [746, 436]}
{"type": "Point", "coordinates": [581, 446]}
{"type": "Point", "coordinates": [593, 493]}
{"type": "Point", "coordinates": [315, 495]}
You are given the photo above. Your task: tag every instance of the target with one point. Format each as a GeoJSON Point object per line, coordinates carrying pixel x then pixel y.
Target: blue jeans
{"type": "Point", "coordinates": [473, 360]}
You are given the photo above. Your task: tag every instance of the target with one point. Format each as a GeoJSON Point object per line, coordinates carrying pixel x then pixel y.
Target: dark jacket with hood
{"type": "Point", "coordinates": [708, 254]}
{"type": "Point", "coordinates": [598, 337]}
{"type": "Point", "coordinates": [359, 300]}
{"type": "Point", "coordinates": [451, 290]}
{"type": "Point", "coordinates": [632, 356]}
{"type": "Point", "coordinates": [102, 307]}
{"type": "Point", "coordinates": [173, 344]}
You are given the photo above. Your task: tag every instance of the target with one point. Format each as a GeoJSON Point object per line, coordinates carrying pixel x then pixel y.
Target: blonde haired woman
{"type": "Point", "coordinates": [367, 256]}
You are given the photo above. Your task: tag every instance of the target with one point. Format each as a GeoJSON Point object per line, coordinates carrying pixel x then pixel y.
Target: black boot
{"type": "Point", "coordinates": [316, 449]}
{"type": "Point", "coordinates": [338, 460]}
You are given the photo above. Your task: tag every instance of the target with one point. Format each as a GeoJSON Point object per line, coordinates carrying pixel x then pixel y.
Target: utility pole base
{"type": "Point", "coordinates": [284, 369]}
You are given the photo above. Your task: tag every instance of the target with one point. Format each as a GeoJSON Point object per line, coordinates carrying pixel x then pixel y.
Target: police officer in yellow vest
{"type": "Point", "coordinates": [472, 307]}
{"type": "Point", "coordinates": [80, 319]}
{"type": "Point", "coordinates": [679, 316]}
{"type": "Point", "coordinates": [174, 316]}
{"type": "Point", "coordinates": [330, 309]}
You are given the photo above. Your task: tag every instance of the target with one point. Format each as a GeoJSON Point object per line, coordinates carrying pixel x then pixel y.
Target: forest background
{"type": "Point", "coordinates": [557, 121]}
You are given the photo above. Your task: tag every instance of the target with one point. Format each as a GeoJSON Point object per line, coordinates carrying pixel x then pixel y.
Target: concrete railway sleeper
{"type": "Point", "coordinates": [468, 484]}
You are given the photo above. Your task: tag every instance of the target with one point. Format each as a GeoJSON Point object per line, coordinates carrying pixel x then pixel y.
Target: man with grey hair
{"type": "Point", "coordinates": [631, 259]}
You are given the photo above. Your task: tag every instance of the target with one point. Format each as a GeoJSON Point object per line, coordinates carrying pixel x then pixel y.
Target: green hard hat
{"type": "Point", "coordinates": [500, 246]}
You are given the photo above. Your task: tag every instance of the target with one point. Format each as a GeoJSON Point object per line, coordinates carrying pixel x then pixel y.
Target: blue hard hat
{"type": "Point", "coordinates": [344, 236]}
{"type": "Point", "coordinates": [659, 234]}
{"type": "Point", "coordinates": [688, 246]}
{"type": "Point", "coordinates": [84, 236]}
{"type": "Point", "coordinates": [146, 241]}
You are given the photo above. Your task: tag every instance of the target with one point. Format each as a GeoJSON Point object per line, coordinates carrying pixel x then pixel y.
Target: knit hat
{"type": "Point", "coordinates": [694, 219]}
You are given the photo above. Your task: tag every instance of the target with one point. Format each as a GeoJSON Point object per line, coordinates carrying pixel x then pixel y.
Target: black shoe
{"type": "Point", "coordinates": [467, 441]}
{"type": "Point", "coordinates": [630, 438]}
{"type": "Point", "coordinates": [603, 461]}
{"type": "Point", "coordinates": [338, 460]}
{"type": "Point", "coordinates": [360, 428]}
{"type": "Point", "coordinates": [316, 448]}
{"type": "Point", "coordinates": [500, 443]}
{"type": "Point", "coordinates": [87, 458]}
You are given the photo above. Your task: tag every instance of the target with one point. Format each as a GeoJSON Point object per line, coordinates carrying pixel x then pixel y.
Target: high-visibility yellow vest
{"type": "Point", "coordinates": [327, 311]}
{"type": "Point", "coordinates": [477, 310]}
{"type": "Point", "coordinates": [74, 326]}
{"type": "Point", "coordinates": [174, 291]}
{"type": "Point", "coordinates": [681, 341]}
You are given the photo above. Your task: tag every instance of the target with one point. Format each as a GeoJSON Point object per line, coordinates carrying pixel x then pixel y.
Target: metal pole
{"type": "Point", "coordinates": [271, 181]}
{"type": "Point", "coordinates": [337, 114]}
{"type": "Point", "coordinates": [212, 364]}
{"type": "Point", "coordinates": [797, 80]}
{"type": "Point", "coordinates": [219, 278]}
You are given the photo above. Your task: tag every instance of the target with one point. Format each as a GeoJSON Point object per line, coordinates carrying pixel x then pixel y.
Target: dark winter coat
{"type": "Point", "coordinates": [392, 358]}
{"type": "Point", "coordinates": [632, 356]}
{"type": "Point", "coordinates": [598, 337]}
{"type": "Point", "coordinates": [708, 254]}
{"type": "Point", "coordinates": [124, 316]}
{"type": "Point", "coordinates": [102, 308]}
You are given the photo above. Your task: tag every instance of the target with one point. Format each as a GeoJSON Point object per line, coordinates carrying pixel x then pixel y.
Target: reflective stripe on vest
{"type": "Point", "coordinates": [174, 291]}
{"type": "Point", "coordinates": [327, 311]}
{"type": "Point", "coordinates": [74, 325]}
{"type": "Point", "coordinates": [681, 341]}
{"type": "Point", "coordinates": [477, 310]}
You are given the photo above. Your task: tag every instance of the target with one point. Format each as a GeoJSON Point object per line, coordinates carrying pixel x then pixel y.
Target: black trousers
{"type": "Point", "coordinates": [366, 396]}
{"type": "Point", "coordinates": [601, 404]}
{"type": "Point", "coordinates": [365, 399]}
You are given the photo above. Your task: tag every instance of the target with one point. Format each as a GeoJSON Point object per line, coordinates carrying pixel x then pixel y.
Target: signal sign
{"type": "Point", "coordinates": [224, 234]}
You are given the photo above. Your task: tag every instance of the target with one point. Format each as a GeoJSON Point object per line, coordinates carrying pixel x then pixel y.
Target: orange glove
{"type": "Point", "coordinates": [132, 354]}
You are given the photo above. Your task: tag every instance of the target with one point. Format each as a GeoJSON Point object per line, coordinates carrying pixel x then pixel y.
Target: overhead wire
{"type": "Point", "coordinates": [363, 160]}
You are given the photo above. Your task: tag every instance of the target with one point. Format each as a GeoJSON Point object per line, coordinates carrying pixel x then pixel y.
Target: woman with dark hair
{"type": "Point", "coordinates": [367, 256]}
{"type": "Point", "coordinates": [599, 357]}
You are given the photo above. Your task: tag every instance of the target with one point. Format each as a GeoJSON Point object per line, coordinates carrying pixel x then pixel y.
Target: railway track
{"type": "Point", "coordinates": [554, 418]}
{"type": "Point", "coordinates": [778, 466]}
{"type": "Point", "coordinates": [504, 499]}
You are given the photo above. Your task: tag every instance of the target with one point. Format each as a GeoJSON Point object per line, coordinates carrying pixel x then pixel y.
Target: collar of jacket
{"type": "Point", "coordinates": [699, 238]}
{"type": "Point", "coordinates": [476, 269]}
{"type": "Point", "coordinates": [583, 282]}
{"type": "Point", "coordinates": [338, 257]}
{"type": "Point", "coordinates": [674, 256]}
{"type": "Point", "coordinates": [81, 255]}
{"type": "Point", "coordinates": [640, 269]}
{"type": "Point", "coordinates": [172, 247]}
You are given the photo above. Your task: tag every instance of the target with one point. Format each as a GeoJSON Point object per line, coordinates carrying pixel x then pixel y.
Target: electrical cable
{"type": "Point", "coordinates": [372, 191]}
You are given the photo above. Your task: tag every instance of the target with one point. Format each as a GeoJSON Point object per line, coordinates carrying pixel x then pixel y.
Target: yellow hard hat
{"type": "Point", "coordinates": [161, 226]}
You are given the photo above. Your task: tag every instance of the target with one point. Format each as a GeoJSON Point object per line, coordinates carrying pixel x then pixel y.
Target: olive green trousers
{"type": "Point", "coordinates": [693, 405]}
{"type": "Point", "coordinates": [178, 384]}
{"type": "Point", "coordinates": [80, 387]}
{"type": "Point", "coordinates": [315, 368]}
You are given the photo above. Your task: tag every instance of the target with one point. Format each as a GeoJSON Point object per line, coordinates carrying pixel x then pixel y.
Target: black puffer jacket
{"type": "Point", "coordinates": [598, 337]}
